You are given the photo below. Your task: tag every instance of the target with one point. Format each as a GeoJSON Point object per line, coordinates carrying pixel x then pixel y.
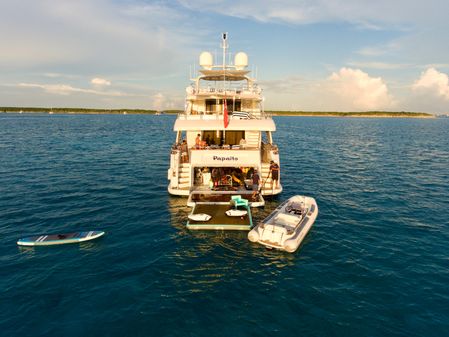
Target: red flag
{"type": "Point", "coordinates": [225, 115]}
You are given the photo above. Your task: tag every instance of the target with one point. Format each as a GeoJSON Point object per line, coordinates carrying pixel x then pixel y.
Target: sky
{"type": "Point", "coordinates": [308, 55]}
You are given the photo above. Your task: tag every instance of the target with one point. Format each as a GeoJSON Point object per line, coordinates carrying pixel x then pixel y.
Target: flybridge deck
{"type": "Point", "coordinates": [216, 204]}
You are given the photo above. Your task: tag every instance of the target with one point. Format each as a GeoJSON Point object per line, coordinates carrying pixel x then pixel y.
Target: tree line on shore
{"type": "Point", "coordinates": [353, 114]}
{"type": "Point", "coordinates": [80, 110]}
{"type": "Point", "coordinates": [274, 113]}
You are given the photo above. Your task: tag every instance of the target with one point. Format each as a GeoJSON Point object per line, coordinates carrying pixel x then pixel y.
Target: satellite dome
{"type": "Point", "coordinates": [240, 61]}
{"type": "Point", "coordinates": [206, 60]}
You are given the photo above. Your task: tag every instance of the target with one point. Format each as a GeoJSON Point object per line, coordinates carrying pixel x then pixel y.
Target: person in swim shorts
{"type": "Point", "coordinates": [274, 170]}
{"type": "Point", "coordinates": [256, 183]}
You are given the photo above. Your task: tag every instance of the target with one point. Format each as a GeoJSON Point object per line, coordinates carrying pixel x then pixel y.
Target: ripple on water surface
{"type": "Point", "coordinates": [375, 262]}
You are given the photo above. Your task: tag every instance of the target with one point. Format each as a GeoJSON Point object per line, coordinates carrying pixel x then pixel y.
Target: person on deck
{"type": "Point", "coordinates": [256, 183]}
{"type": "Point", "coordinates": [242, 143]}
{"type": "Point", "coordinates": [236, 179]}
{"type": "Point", "coordinates": [215, 176]}
{"type": "Point", "coordinates": [184, 152]}
{"type": "Point", "coordinates": [198, 141]}
{"type": "Point", "coordinates": [249, 173]}
{"type": "Point", "coordinates": [274, 170]}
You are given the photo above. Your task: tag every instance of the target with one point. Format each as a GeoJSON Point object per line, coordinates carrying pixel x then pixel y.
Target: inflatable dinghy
{"type": "Point", "coordinates": [287, 226]}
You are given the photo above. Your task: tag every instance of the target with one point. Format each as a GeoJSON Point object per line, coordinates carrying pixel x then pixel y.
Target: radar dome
{"type": "Point", "coordinates": [240, 61]}
{"type": "Point", "coordinates": [206, 60]}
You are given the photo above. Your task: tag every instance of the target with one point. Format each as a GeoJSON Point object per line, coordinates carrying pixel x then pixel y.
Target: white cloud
{"type": "Point", "coordinates": [367, 14]}
{"type": "Point", "coordinates": [146, 47]}
{"type": "Point", "coordinates": [288, 85]}
{"type": "Point", "coordinates": [159, 101]}
{"type": "Point", "coordinates": [71, 95]}
{"type": "Point", "coordinates": [262, 10]}
{"type": "Point", "coordinates": [66, 89]}
{"type": "Point", "coordinates": [57, 75]}
{"type": "Point", "coordinates": [355, 89]}
{"type": "Point", "coordinates": [157, 11]}
{"type": "Point", "coordinates": [378, 65]}
{"type": "Point", "coordinates": [379, 50]}
{"type": "Point", "coordinates": [166, 100]}
{"type": "Point", "coordinates": [345, 90]}
{"type": "Point", "coordinates": [47, 35]}
{"type": "Point", "coordinates": [436, 65]}
{"type": "Point", "coordinates": [100, 82]}
{"type": "Point", "coordinates": [433, 82]}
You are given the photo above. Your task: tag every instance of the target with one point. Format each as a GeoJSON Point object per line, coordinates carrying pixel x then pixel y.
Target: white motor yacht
{"type": "Point", "coordinates": [223, 134]}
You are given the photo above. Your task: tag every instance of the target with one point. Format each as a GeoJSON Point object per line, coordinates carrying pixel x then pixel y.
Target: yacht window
{"type": "Point", "coordinates": [211, 106]}
{"type": "Point", "coordinates": [216, 105]}
{"type": "Point", "coordinates": [213, 137]}
{"type": "Point", "coordinates": [233, 137]}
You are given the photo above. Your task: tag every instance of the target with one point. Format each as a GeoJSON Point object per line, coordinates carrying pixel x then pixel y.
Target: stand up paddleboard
{"type": "Point", "coordinates": [59, 239]}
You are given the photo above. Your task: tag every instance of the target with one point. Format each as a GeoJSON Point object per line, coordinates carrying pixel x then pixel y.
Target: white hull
{"type": "Point", "coordinates": [287, 226]}
{"type": "Point", "coordinates": [187, 192]}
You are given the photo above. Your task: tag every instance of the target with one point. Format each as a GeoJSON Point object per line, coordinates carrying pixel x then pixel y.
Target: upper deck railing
{"type": "Point", "coordinates": [214, 115]}
{"type": "Point", "coordinates": [251, 92]}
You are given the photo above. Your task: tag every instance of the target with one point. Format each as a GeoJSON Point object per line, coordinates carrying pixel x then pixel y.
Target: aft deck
{"type": "Point", "coordinates": [219, 197]}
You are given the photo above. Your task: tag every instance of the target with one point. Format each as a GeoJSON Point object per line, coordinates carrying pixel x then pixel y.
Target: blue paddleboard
{"type": "Point", "coordinates": [59, 239]}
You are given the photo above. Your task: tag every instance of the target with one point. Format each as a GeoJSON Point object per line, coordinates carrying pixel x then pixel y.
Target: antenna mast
{"type": "Point", "coordinates": [224, 46]}
{"type": "Point", "coordinates": [225, 109]}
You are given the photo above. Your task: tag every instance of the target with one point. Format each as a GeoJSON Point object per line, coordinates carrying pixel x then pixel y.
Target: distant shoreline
{"type": "Point", "coordinates": [79, 110]}
{"type": "Point", "coordinates": [367, 114]}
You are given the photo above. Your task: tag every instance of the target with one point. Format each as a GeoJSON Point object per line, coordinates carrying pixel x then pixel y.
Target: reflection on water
{"type": "Point", "coordinates": [96, 245]}
{"type": "Point", "coordinates": [226, 239]}
{"type": "Point", "coordinates": [210, 259]}
{"type": "Point", "coordinates": [27, 252]}
{"type": "Point", "coordinates": [178, 209]}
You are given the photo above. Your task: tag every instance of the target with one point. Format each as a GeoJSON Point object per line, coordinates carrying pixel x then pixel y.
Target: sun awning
{"type": "Point", "coordinates": [220, 74]}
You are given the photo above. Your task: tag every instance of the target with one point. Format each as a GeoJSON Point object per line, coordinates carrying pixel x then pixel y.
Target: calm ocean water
{"type": "Point", "coordinates": [376, 262]}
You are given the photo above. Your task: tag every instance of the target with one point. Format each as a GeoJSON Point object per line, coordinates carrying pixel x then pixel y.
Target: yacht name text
{"type": "Point", "coordinates": [230, 158]}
